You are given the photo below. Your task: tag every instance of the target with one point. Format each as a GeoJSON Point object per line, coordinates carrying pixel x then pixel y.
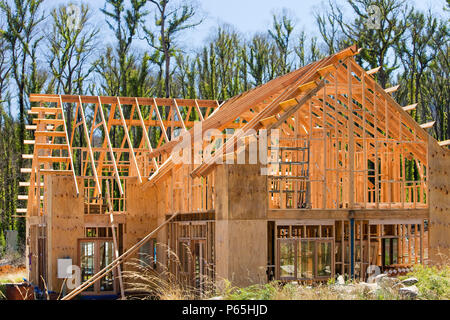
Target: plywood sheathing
{"type": "Point", "coordinates": [439, 202]}
{"type": "Point", "coordinates": [241, 224]}
{"type": "Point", "coordinates": [65, 217]}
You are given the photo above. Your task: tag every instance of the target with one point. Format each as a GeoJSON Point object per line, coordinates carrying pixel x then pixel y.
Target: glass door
{"type": "Point", "coordinates": [94, 256]}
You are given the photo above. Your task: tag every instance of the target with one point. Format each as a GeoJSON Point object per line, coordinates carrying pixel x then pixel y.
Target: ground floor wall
{"type": "Point", "coordinates": [317, 250]}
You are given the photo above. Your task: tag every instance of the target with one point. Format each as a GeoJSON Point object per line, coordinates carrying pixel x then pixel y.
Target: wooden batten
{"type": "Point", "coordinates": [50, 133]}
{"type": "Point", "coordinates": [444, 143]}
{"type": "Point", "coordinates": [410, 107]}
{"type": "Point", "coordinates": [44, 110]}
{"type": "Point", "coordinates": [268, 121]}
{"type": "Point", "coordinates": [427, 125]}
{"type": "Point", "coordinates": [348, 52]}
{"type": "Point", "coordinates": [326, 70]}
{"type": "Point", "coordinates": [287, 104]}
{"type": "Point", "coordinates": [306, 87]}
{"type": "Point", "coordinates": [374, 70]}
{"type": "Point", "coordinates": [391, 89]}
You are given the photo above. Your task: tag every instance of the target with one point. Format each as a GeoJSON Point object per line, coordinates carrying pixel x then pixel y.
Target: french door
{"type": "Point", "coordinates": [193, 266]}
{"type": "Point", "coordinates": [95, 254]}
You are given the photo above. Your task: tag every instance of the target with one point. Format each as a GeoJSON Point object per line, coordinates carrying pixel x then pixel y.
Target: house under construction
{"type": "Point", "coordinates": [335, 196]}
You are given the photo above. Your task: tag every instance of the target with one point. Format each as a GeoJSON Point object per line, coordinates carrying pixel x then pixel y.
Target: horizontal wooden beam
{"type": "Point", "coordinates": [268, 121]}
{"type": "Point", "coordinates": [444, 143]}
{"type": "Point", "coordinates": [143, 101]}
{"type": "Point", "coordinates": [299, 214]}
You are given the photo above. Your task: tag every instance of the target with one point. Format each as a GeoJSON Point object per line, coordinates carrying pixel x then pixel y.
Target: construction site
{"type": "Point", "coordinates": [328, 195]}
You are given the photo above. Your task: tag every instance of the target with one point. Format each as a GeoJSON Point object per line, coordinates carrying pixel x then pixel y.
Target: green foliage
{"type": "Point", "coordinates": [434, 281]}
{"type": "Point", "coordinates": [254, 292]}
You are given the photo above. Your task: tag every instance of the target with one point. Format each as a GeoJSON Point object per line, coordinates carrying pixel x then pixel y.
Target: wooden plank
{"type": "Point", "coordinates": [326, 70]}
{"type": "Point", "coordinates": [50, 133]}
{"type": "Point", "coordinates": [146, 101]}
{"type": "Point", "coordinates": [374, 70]}
{"type": "Point", "coordinates": [391, 89]}
{"type": "Point", "coordinates": [364, 214]}
{"type": "Point", "coordinates": [51, 146]}
{"type": "Point", "coordinates": [53, 159]}
{"type": "Point", "coordinates": [56, 122]}
{"type": "Point", "coordinates": [287, 104]}
{"type": "Point", "coordinates": [305, 87]}
{"type": "Point", "coordinates": [444, 143]}
{"type": "Point", "coordinates": [268, 121]}
{"type": "Point", "coordinates": [45, 110]}
{"type": "Point", "coordinates": [27, 184]}
{"type": "Point", "coordinates": [410, 107]}
{"type": "Point", "coordinates": [427, 125]}
{"type": "Point", "coordinates": [55, 172]}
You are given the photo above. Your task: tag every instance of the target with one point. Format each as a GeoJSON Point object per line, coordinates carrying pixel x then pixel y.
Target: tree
{"type": "Point", "coordinates": [169, 21]}
{"type": "Point", "coordinates": [258, 58]}
{"type": "Point", "coordinates": [124, 24]}
{"type": "Point", "coordinates": [375, 40]}
{"type": "Point", "coordinates": [71, 47]}
{"type": "Point", "coordinates": [416, 54]}
{"type": "Point", "coordinates": [22, 18]}
{"type": "Point", "coordinates": [281, 34]}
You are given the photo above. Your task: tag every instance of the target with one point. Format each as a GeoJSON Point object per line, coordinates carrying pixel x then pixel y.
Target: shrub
{"type": "Point", "coordinates": [434, 281]}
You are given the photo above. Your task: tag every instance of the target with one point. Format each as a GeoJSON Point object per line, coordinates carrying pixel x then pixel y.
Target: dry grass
{"type": "Point", "coordinates": [155, 281]}
{"type": "Point", "coordinates": [12, 274]}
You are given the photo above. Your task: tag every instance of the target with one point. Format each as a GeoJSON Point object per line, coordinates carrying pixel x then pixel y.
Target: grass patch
{"type": "Point", "coordinates": [434, 281]}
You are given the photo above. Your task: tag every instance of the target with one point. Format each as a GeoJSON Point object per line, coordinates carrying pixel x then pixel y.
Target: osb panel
{"type": "Point", "coordinates": [65, 224]}
{"type": "Point", "coordinates": [141, 215]}
{"type": "Point", "coordinates": [439, 187]}
{"type": "Point", "coordinates": [241, 250]}
{"type": "Point", "coordinates": [241, 192]}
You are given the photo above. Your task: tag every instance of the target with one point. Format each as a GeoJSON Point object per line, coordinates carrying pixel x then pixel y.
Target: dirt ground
{"type": "Point", "coordinates": [12, 272]}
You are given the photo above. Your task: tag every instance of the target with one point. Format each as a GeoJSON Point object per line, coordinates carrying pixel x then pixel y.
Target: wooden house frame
{"type": "Point", "coordinates": [336, 199]}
